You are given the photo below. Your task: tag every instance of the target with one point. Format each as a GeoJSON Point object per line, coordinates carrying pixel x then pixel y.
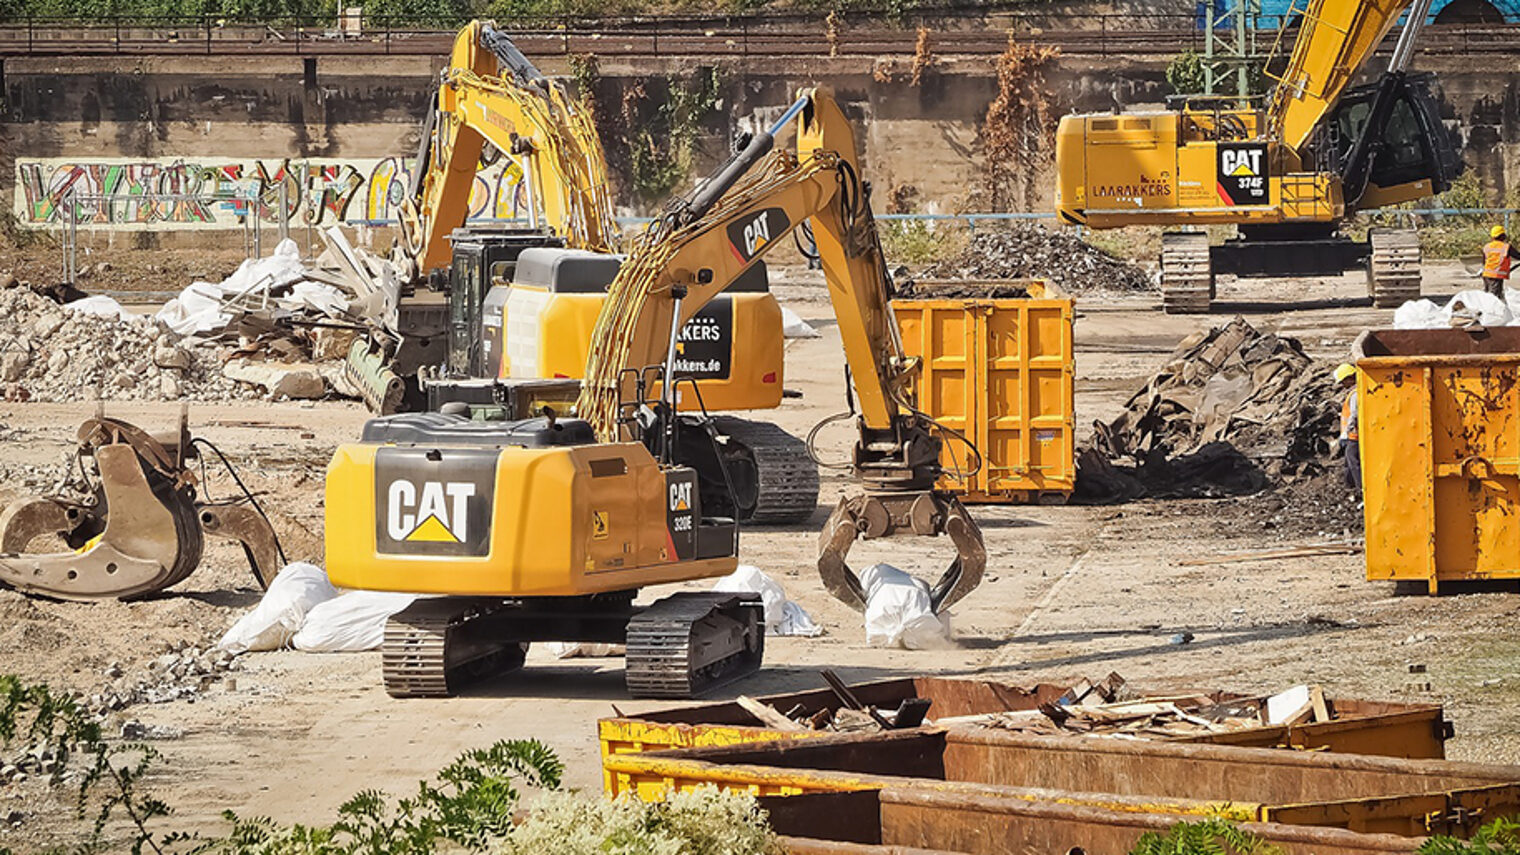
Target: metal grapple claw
{"type": "Point", "coordinates": [886, 514]}
{"type": "Point", "coordinates": [141, 532]}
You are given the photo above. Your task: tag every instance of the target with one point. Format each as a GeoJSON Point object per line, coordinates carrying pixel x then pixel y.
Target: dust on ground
{"type": "Point", "coordinates": [1070, 591]}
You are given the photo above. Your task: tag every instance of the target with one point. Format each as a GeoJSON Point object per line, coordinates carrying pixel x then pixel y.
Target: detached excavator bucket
{"type": "Point", "coordinates": [151, 538]}
{"type": "Point", "coordinates": [141, 532]}
{"type": "Point", "coordinates": [886, 514]}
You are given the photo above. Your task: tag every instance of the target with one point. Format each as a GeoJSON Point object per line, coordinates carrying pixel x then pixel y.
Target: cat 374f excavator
{"type": "Point", "coordinates": [1286, 176]}
{"type": "Point", "coordinates": [550, 279]}
{"type": "Point", "coordinates": [545, 529]}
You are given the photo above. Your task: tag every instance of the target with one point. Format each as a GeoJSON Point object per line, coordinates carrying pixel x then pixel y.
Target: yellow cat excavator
{"type": "Point", "coordinates": [520, 303]}
{"type": "Point", "coordinates": [545, 528]}
{"type": "Point", "coordinates": [1287, 175]}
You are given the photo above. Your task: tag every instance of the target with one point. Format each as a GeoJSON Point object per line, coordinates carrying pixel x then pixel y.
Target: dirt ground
{"type": "Point", "coordinates": [1070, 591]}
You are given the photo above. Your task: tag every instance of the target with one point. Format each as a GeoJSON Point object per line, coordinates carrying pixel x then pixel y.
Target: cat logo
{"type": "Point", "coordinates": [1243, 174]}
{"type": "Point", "coordinates": [1241, 163]}
{"type": "Point", "coordinates": [432, 502]}
{"type": "Point", "coordinates": [680, 496]}
{"type": "Point", "coordinates": [600, 528]}
{"type": "Point", "coordinates": [436, 513]}
{"type": "Point", "coordinates": [750, 237]}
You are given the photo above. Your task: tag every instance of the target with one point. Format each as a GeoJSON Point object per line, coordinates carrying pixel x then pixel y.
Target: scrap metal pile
{"type": "Point", "coordinates": [1022, 251]}
{"type": "Point", "coordinates": [1233, 411]}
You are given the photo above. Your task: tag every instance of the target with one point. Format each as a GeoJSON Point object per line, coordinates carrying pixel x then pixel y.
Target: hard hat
{"type": "Point", "coordinates": [1496, 231]}
{"type": "Point", "coordinates": [1344, 370]}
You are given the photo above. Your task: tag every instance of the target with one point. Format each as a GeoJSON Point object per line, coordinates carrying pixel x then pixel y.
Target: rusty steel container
{"type": "Point", "coordinates": [909, 821]}
{"type": "Point", "coordinates": [1439, 427]}
{"type": "Point", "coordinates": [1363, 727]}
{"type": "Point", "coordinates": [1352, 792]}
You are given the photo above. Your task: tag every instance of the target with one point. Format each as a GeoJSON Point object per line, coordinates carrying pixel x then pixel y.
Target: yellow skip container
{"type": "Point", "coordinates": [1439, 424]}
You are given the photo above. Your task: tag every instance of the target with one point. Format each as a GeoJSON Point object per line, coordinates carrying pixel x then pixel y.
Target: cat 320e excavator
{"type": "Point", "coordinates": [545, 528]}
{"type": "Point", "coordinates": [489, 301]}
{"type": "Point", "coordinates": [1287, 176]}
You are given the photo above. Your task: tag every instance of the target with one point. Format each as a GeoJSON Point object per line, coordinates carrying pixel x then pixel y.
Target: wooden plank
{"type": "Point", "coordinates": [767, 714]}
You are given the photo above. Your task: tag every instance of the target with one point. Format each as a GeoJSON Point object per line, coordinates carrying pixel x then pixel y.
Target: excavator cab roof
{"type": "Point", "coordinates": [578, 271]}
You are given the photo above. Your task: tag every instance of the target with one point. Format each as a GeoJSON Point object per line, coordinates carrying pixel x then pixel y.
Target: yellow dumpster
{"type": "Point", "coordinates": [999, 372]}
{"type": "Point", "coordinates": [1439, 424]}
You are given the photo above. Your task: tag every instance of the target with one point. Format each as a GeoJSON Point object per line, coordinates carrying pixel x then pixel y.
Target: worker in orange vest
{"type": "Point", "coordinates": [1345, 375]}
{"type": "Point", "coordinates": [1497, 255]}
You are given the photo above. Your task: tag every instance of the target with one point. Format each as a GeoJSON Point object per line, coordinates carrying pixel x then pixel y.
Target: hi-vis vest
{"type": "Point", "coordinates": [1496, 259]}
{"type": "Point", "coordinates": [1348, 416]}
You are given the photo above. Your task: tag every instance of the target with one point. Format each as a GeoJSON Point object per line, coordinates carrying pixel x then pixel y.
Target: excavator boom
{"type": "Point", "coordinates": [1336, 38]}
{"type": "Point", "coordinates": [704, 244]}
{"type": "Point", "coordinates": [522, 114]}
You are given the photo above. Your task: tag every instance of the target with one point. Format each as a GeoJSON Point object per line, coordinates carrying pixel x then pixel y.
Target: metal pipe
{"type": "Point", "coordinates": [527, 182]}
{"type": "Point", "coordinates": [729, 173]}
{"type": "Point", "coordinates": [508, 54]}
{"type": "Point", "coordinates": [1403, 50]}
{"type": "Point", "coordinates": [668, 389]}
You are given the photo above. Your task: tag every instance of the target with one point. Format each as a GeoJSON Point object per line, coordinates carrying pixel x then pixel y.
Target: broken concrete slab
{"type": "Point", "coordinates": [279, 379]}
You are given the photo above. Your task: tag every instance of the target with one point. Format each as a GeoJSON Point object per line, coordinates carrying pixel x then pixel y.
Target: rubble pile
{"type": "Point", "coordinates": [1233, 411]}
{"type": "Point", "coordinates": [274, 328]}
{"type": "Point", "coordinates": [1024, 251]}
{"type": "Point", "coordinates": [50, 352]}
{"type": "Point", "coordinates": [183, 671]}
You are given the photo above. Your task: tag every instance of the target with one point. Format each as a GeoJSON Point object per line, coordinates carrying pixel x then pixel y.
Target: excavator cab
{"type": "Point", "coordinates": [1415, 157]}
{"type": "Point", "coordinates": [483, 259]}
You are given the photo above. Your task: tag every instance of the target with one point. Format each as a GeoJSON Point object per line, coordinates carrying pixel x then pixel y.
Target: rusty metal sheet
{"type": "Point", "coordinates": [988, 825]}
{"type": "Point", "coordinates": [1456, 813]}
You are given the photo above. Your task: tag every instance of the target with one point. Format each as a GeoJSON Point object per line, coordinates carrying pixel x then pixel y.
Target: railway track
{"type": "Point", "coordinates": [694, 40]}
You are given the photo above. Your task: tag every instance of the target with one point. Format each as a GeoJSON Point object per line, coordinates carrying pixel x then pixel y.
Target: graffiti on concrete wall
{"type": "Point", "coordinates": [211, 192]}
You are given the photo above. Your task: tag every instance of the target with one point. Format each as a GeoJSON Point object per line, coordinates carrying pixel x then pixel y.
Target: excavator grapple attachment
{"type": "Point", "coordinates": [887, 514]}
{"type": "Point", "coordinates": [140, 532]}
{"type": "Point", "coordinates": [242, 524]}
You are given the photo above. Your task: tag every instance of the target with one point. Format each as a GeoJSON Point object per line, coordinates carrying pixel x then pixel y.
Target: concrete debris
{"type": "Point", "coordinates": [138, 731]}
{"type": "Point", "coordinates": [183, 672]}
{"type": "Point", "coordinates": [48, 353]}
{"type": "Point", "coordinates": [274, 311]}
{"type": "Point", "coordinates": [1233, 412]}
{"type": "Point", "coordinates": [279, 379]}
{"type": "Point", "coordinates": [1025, 251]}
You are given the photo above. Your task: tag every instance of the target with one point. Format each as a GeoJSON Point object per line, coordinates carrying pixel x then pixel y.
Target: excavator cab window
{"type": "Point", "coordinates": [1415, 144]}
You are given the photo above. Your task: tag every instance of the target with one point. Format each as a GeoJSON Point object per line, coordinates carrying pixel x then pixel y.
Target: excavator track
{"type": "Point", "coordinates": [788, 476]}
{"type": "Point", "coordinates": [1187, 274]}
{"type": "Point", "coordinates": [1393, 268]}
{"type": "Point", "coordinates": [430, 651]}
{"type": "Point", "coordinates": [689, 643]}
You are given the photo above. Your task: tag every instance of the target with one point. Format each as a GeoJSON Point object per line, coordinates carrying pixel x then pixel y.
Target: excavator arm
{"type": "Point", "coordinates": [702, 245]}
{"type": "Point", "coordinates": [480, 110]}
